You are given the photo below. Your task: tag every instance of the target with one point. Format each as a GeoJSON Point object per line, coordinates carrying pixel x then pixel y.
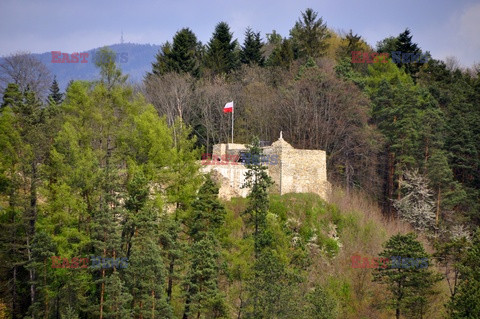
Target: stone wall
{"type": "Point", "coordinates": [298, 171]}
{"type": "Point", "coordinates": [293, 170]}
{"type": "Point", "coordinates": [230, 178]}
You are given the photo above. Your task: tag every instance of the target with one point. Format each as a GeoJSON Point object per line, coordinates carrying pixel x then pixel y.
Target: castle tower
{"type": "Point", "coordinates": [292, 170]}
{"type": "Point", "coordinates": [298, 171]}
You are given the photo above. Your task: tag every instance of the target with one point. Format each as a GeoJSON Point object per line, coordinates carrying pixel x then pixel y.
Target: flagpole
{"type": "Point", "coordinates": [233, 111]}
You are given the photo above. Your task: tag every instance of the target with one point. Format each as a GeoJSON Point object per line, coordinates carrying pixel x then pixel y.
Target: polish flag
{"type": "Point", "coordinates": [228, 107]}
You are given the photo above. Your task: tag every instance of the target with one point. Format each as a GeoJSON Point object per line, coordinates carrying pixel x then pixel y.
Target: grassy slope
{"type": "Point", "coordinates": [305, 220]}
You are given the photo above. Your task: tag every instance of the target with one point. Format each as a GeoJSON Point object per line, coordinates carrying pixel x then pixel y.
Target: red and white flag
{"type": "Point", "coordinates": [228, 107]}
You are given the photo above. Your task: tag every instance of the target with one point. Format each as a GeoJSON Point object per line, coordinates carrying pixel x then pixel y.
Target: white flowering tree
{"type": "Point", "coordinates": [417, 205]}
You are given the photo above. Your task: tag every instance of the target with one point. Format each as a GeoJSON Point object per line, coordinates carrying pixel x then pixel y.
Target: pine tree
{"type": "Point", "coordinates": [202, 294]}
{"type": "Point", "coordinates": [441, 180]}
{"type": "Point", "coordinates": [146, 271]}
{"type": "Point", "coordinates": [252, 49]}
{"type": "Point", "coordinates": [43, 248]}
{"type": "Point", "coordinates": [222, 55]}
{"type": "Point", "coordinates": [409, 287]}
{"type": "Point", "coordinates": [464, 304]}
{"type": "Point", "coordinates": [182, 56]}
{"type": "Point", "coordinates": [12, 226]}
{"type": "Point", "coordinates": [407, 47]}
{"type": "Point", "coordinates": [258, 181]}
{"type": "Point", "coordinates": [310, 35]}
{"type": "Point", "coordinates": [322, 305]}
{"type": "Point", "coordinates": [351, 42]}
{"type": "Point", "coordinates": [12, 96]}
{"type": "Point", "coordinates": [55, 97]}
{"type": "Point", "coordinates": [117, 298]}
{"type": "Point", "coordinates": [449, 254]}
{"type": "Point", "coordinates": [270, 283]}
{"type": "Point", "coordinates": [282, 55]}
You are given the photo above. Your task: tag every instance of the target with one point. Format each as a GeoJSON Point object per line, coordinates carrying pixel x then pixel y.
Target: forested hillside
{"type": "Point", "coordinates": [110, 172]}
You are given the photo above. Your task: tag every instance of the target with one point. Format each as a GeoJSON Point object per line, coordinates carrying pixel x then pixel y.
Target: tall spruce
{"type": "Point", "coordinates": [182, 56]}
{"type": "Point", "coordinates": [55, 96]}
{"type": "Point", "coordinates": [310, 35]}
{"type": "Point", "coordinates": [222, 53]}
{"type": "Point", "coordinates": [258, 181]}
{"type": "Point", "coordinates": [252, 49]}
{"type": "Point", "coordinates": [202, 295]}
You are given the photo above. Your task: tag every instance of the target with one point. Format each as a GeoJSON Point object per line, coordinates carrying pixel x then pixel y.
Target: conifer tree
{"type": "Point", "coordinates": [257, 179]}
{"type": "Point", "coordinates": [182, 56]}
{"type": "Point", "coordinates": [222, 54]}
{"type": "Point", "coordinates": [55, 97]}
{"type": "Point", "coordinates": [43, 248]}
{"type": "Point", "coordinates": [282, 55]}
{"type": "Point", "coordinates": [310, 35]}
{"type": "Point", "coordinates": [118, 299]}
{"type": "Point", "coordinates": [351, 42]}
{"type": "Point", "coordinates": [201, 283]}
{"type": "Point", "coordinates": [408, 47]}
{"type": "Point", "coordinates": [409, 285]}
{"type": "Point", "coordinates": [464, 304]}
{"type": "Point", "coordinates": [252, 48]}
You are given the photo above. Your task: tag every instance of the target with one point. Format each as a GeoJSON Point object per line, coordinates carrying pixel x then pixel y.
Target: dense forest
{"type": "Point", "coordinates": [110, 171]}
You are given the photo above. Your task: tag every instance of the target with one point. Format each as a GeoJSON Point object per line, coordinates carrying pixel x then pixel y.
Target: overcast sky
{"type": "Point", "coordinates": [444, 27]}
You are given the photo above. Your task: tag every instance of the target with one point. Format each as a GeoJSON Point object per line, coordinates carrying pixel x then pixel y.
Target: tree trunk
{"type": "Point", "coordinates": [170, 278]}
{"type": "Point", "coordinates": [390, 181]}
{"type": "Point", "coordinates": [14, 293]}
{"type": "Point", "coordinates": [399, 186]}
{"type": "Point", "coordinates": [102, 292]}
{"type": "Point", "coordinates": [33, 218]}
{"type": "Point", "coordinates": [153, 304]}
{"type": "Point", "coordinates": [187, 305]}
{"type": "Point", "coordinates": [45, 286]}
{"type": "Point", "coordinates": [31, 276]}
{"type": "Point", "coordinates": [438, 206]}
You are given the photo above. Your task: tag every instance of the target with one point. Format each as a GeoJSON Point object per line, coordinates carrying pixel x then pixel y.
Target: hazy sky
{"type": "Point", "coordinates": [444, 27]}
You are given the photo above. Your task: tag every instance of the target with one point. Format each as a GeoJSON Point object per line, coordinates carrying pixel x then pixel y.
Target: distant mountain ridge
{"type": "Point", "coordinates": [134, 59]}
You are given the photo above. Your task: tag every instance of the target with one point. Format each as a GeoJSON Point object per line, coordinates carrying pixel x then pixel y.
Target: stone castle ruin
{"type": "Point", "coordinates": [292, 170]}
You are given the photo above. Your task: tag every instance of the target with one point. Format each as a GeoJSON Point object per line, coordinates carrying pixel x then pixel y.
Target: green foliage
{"type": "Point", "coordinates": [183, 56]}
{"type": "Point", "coordinates": [464, 303]}
{"type": "Point", "coordinates": [221, 55]}
{"type": "Point", "coordinates": [101, 172]}
{"type": "Point", "coordinates": [55, 97]}
{"type": "Point", "coordinates": [252, 49]}
{"type": "Point", "coordinates": [310, 35]}
{"type": "Point", "coordinates": [201, 282]}
{"type": "Point", "coordinates": [409, 288]}
{"type": "Point", "coordinates": [282, 55]}
{"type": "Point", "coordinates": [110, 74]}
{"type": "Point", "coordinates": [322, 305]}
{"type": "Point", "coordinates": [257, 179]}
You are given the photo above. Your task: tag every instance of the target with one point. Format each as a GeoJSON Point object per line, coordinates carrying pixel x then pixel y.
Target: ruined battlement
{"type": "Point", "coordinates": [293, 171]}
